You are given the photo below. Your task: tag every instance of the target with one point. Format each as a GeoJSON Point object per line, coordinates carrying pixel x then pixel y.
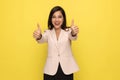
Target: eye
{"type": "Point", "coordinates": [60, 16]}
{"type": "Point", "coordinates": [53, 16]}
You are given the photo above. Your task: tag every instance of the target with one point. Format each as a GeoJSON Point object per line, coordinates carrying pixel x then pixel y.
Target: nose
{"type": "Point", "coordinates": [56, 19]}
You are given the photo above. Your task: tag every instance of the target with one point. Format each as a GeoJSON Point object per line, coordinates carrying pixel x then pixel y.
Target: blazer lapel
{"type": "Point", "coordinates": [54, 35]}
{"type": "Point", "coordinates": [60, 35]}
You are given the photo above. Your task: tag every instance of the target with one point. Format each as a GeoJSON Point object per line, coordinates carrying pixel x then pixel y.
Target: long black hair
{"type": "Point", "coordinates": [53, 10]}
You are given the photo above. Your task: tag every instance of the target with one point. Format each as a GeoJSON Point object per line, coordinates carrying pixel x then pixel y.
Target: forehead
{"type": "Point", "coordinates": [57, 13]}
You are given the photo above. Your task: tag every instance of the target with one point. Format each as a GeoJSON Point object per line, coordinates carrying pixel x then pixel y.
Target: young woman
{"type": "Point", "coordinates": [60, 63]}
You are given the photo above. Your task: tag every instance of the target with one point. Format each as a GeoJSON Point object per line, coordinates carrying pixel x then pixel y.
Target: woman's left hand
{"type": "Point", "coordinates": [75, 29]}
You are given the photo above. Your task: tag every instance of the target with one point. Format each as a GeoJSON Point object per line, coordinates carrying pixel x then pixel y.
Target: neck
{"type": "Point", "coordinates": [58, 30]}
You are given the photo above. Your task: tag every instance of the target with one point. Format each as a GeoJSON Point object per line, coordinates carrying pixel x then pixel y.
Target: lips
{"type": "Point", "coordinates": [57, 23]}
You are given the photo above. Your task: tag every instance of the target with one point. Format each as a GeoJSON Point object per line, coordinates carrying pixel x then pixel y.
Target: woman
{"type": "Point", "coordinates": [60, 63]}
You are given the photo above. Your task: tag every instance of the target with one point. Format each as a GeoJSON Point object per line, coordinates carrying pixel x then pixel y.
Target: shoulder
{"type": "Point", "coordinates": [67, 30]}
{"type": "Point", "coordinates": [46, 31]}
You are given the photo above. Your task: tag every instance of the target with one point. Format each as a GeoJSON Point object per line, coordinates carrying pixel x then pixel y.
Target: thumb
{"type": "Point", "coordinates": [39, 28]}
{"type": "Point", "coordinates": [72, 22]}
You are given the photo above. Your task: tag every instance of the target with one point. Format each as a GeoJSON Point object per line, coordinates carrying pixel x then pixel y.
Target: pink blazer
{"type": "Point", "coordinates": [59, 51]}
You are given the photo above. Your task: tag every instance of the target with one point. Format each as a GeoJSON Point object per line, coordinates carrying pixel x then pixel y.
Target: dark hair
{"type": "Point", "coordinates": [53, 10]}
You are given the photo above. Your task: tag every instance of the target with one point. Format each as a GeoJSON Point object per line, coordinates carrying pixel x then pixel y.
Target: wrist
{"type": "Point", "coordinates": [73, 34]}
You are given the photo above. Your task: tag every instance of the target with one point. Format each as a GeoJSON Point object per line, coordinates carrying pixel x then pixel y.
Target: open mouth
{"type": "Point", "coordinates": [57, 24]}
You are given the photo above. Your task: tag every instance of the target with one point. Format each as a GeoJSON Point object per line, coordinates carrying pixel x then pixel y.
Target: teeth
{"type": "Point", "coordinates": [57, 23]}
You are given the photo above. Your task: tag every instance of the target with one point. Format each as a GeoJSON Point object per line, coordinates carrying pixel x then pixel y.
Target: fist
{"type": "Point", "coordinates": [37, 33]}
{"type": "Point", "coordinates": [75, 29]}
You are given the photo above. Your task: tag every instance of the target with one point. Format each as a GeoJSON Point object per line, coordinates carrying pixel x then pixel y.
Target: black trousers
{"type": "Point", "coordinates": [59, 75]}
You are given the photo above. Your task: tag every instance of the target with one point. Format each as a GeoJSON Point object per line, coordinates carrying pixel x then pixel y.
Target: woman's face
{"type": "Point", "coordinates": [57, 19]}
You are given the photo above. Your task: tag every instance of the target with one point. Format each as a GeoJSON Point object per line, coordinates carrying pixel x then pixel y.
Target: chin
{"type": "Point", "coordinates": [57, 27]}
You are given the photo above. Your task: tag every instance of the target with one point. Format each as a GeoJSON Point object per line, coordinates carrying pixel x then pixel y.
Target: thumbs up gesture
{"type": "Point", "coordinates": [37, 33]}
{"type": "Point", "coordinates": [75, 29]}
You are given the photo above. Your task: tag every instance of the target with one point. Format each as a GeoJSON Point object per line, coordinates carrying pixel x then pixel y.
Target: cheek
{"type": "Point", "coordinates": [61, 20]}
{"type": "Point", "coordinates": [52, 21]}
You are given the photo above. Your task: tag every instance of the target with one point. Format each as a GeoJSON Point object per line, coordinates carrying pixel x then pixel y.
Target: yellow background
{"type": "Point", "coordinates": [97, 50]}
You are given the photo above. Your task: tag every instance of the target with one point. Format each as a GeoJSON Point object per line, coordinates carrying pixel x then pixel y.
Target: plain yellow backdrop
{"type": "Point", "coordinates": [97, 50]}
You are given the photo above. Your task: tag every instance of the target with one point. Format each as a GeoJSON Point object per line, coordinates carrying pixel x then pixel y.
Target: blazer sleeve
{"type": "Point", "coordinates": [70, 35]}
{"type": "Point", "coordinates": [44, 37]}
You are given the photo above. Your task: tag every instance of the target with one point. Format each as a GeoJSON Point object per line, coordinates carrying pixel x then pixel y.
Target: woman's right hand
{"type": "Point", "coordinates": [37, 33]}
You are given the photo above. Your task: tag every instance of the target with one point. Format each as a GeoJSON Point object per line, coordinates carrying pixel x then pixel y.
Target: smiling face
{"type": "Point", "coordinates": [57, 19]}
